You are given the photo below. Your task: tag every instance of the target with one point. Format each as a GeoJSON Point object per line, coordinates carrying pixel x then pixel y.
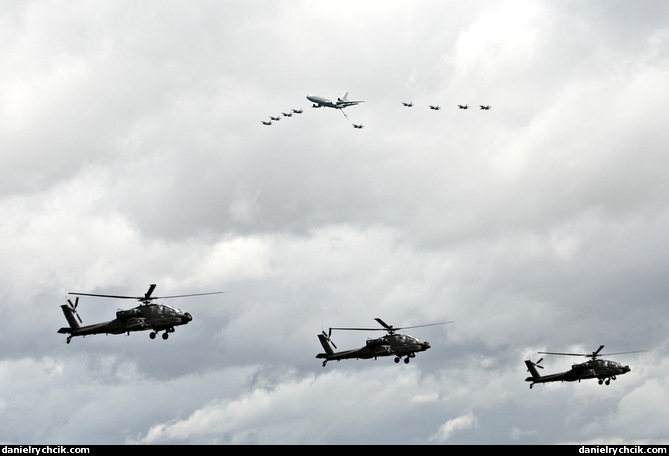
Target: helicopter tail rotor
{"type": "Point", "coordinates": [533, 364]}
{"type": "Point", "coordinates": [73, 308]}
{"type": "Point", "coordinates": [71, 315]}
{"type": "Point", "coordinates": [328, 337]}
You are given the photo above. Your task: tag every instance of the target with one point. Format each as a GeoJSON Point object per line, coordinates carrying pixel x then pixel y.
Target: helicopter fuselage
{"type": "Point", "coordinates": [145, 317]}
{"type": "Point", "coordinates": [397, 345]}
{"type": "Point", "coordinates": [602, 369]}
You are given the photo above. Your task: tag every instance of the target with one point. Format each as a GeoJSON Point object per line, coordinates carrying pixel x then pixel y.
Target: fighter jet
{"type": "Point", "coordinates": [463, 106]}
{"type": "Point", "coordinates": [275, 119]}
{"type": "Point", "coordinates": [358, 126]}
{"type": "Point", "coordinates": [408, 104]}
{"type": "Point", "coordinates": [297, 111]}
{"type": "Point", "coordinates": [266, 122]}
{"type": "Point", "coordinates": [287, 114]}
{"type": "Point", "coordinates": [435, 108]}
{"type": "Point", "coordinates": [485, 107]}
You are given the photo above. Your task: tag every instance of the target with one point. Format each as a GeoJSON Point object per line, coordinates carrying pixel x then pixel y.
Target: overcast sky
{"type": "Point", "coordinates": [133, 152]}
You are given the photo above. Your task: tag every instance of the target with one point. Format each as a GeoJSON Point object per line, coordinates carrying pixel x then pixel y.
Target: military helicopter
{"type": "Point", "coordinates": [391, 344]}
{"type": "Point", "coordinates": [603, 370]}
{"type": "Point", "coordinates": [145, 317]}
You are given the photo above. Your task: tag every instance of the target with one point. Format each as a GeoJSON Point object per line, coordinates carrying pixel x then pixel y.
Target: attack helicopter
{"type": "Point", "coordinates": [603, 370]}
{"type": "Point", "coordinates": [392, 344]}
{"type": "Point", "coordinates": [145, 317]}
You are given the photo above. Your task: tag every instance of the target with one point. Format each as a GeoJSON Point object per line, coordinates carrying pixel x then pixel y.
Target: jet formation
{"type": "Point", "coordinates": [343, 102]}
{"type": "Point", "coordinates": [284, 114]}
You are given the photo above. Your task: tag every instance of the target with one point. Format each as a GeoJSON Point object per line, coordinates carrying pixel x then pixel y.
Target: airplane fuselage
{"type": "Point", "coordinates": [340, 103]}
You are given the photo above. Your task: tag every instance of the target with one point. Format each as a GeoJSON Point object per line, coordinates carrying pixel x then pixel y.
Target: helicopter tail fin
{"type": "Point", "coordinates": [71, 319]}
{"type": "Point", "coordinates": [531, 367]}
{"type": "Point", "coordinates": [326, 344]}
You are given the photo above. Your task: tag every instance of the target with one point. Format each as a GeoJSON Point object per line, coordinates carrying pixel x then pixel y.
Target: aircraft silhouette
{"type": "Point", "coordinates": [297, 111]}
{"type": "Point", "coordinates": [145, 317]}
{"type": "Point", "coordinates": [407, 104]}
{"type": "Point", "coordinates": [463, 106]}
{"type": "Point", "coordinates": [435, 108]}
{"type": "Point", "coordinates": [340, 103]}
{"type": "Point", "coordinates": [391, 344]}
{"type": "Point", "coordinates": [485, 107]}
{"type": "Point", "coordinates": [266, 122]}
{"type": "Point", "coordinates": [287, 114]}
{"type": "Point", "coordinates": [275, 119]}
{"type": "Point", "coordinates": [602, 369]}
{"type": "Point", "coordinates": [358, 126]}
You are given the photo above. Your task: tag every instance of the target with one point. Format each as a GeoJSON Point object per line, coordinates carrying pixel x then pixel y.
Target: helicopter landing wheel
{"type": "Point", "coordinates": [608, 382]}
{"type": "Point", "coordinates": [69, 340]}
{"type": "Point", "coordinates": [165, 335]}
{"type": "Point", "coordinates": [406, 360]}
{"type": "Point", "coordinates": [397, 360]}
{"type": "Point", "coordinates": [152, 335]}
{"type": "Point", "coordinates": [324, 363]}
{"type": "Point", "coordinates": [600, 381]}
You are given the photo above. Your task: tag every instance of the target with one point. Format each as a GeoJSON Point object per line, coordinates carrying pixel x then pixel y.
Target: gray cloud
{"type": "Point", "coordinates": [134, 153]}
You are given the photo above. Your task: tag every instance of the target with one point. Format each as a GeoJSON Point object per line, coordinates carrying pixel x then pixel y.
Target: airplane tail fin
{"type": "Point", "coordinates": [325, 342]}
{"type": "Point", "coordinates": [345, 97]}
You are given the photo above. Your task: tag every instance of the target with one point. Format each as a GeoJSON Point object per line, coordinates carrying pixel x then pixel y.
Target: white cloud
{"type": "Point", "coordinates": [451, 427]}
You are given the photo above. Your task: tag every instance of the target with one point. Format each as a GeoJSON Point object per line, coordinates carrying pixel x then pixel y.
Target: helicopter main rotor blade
{"type": "Point", "coordinates": [390, 328]}
{"type": "Point", "coordinates": [106, 296]}
{"type": "Point", "coordinates": [187, 295]}
{"type": "Point", "coordinates": [565, 354]}
{"type": "Point", "coordinates": [152, 287]}
{"type": "Point", "coordinates": [356, 329]}
{"type": "Point", "coordinates": [594, 354]}
{"type": "Point", "coordinates": [622, 353]}
{"type": "Point", "coordinates": [420, 326]}
{"type": "Point", "coordinates": [384, 324]}
{"type": "Point", "coordinates": [143, 298]}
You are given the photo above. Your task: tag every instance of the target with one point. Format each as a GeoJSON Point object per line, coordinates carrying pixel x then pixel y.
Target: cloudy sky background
{"type": "Point", "coordinates": [133, 152]}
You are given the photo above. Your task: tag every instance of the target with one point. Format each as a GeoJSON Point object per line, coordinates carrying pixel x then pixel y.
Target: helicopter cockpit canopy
{"type": "Point", "coordinates": [169, 310]}
{"type": "Point", "coordinates": [408, 339]}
